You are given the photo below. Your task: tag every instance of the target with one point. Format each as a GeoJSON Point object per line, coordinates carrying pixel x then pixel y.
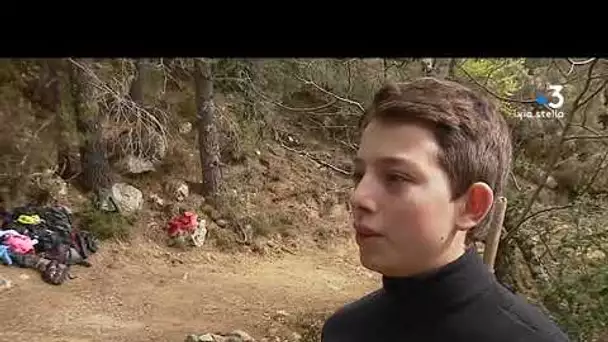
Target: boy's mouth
{"type": "Point", "coordinates": [364, 231]}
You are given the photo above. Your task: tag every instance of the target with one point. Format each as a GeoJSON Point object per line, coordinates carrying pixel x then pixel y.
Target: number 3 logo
{"type": "Point", "coordinates": [556, 94]}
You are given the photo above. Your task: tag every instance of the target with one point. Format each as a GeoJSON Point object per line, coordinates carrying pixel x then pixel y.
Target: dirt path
{"type": "Point", "coordinates": [145, 293]}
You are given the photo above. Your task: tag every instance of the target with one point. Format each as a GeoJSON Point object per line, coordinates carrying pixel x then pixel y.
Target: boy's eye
{"type": "Point", "coordinates": [396, 178]}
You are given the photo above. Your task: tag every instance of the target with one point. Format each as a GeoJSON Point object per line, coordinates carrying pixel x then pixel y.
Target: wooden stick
{"type": "Point", "coordinates": [493, 238]}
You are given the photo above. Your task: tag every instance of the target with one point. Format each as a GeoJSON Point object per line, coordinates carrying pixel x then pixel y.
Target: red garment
{"type": "Point", "coordinates": [183, 224]}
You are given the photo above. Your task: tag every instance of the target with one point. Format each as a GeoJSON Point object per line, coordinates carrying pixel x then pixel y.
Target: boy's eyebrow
{"type": "Point", "coordinates": [388, 161]}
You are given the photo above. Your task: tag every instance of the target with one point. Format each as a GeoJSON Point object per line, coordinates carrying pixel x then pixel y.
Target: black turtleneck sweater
{"type": "Point", "coordinates": [460, 302]}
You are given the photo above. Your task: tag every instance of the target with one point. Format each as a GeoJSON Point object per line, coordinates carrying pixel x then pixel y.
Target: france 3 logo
{"type": "Point", "coordinates": [552, 99]}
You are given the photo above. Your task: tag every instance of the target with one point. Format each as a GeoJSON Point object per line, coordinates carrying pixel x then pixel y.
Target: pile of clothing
{"type": "Point", "coordinates": [44, 239]}
{"type": "Point", "coordinates": [186, 229]}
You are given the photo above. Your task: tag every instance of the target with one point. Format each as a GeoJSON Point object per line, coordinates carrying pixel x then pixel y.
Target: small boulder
{"type": "Point", "coordinates": [177, 189]}
{"type": "Point", "coordinates": [551, 183]}
{"type": "Point", "coordinates": [134, 165]}
{"type": "Point", "coordinates": [128, 198]}
{"type": "Point", "coordinates": [241, 335]}
{"type": "Point", "coordinates": [185, 128]}
{"type": "Point", "coordinates": [157, 200]}
{"type": "Point", "coordinates": [5, 284]}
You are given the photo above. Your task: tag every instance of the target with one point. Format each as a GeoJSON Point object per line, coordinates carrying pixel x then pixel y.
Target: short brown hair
{"type": "Point", "coordinates": [473, 136]}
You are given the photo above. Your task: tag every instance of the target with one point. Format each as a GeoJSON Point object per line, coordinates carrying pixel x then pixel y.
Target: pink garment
{"type": "Point", "coordinates": [19, 244]}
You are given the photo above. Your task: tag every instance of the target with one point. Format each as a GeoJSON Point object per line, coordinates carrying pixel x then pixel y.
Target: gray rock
{"type": "Point", "coordinates": [185, 128]}
{"type": "Point", "coordinates": [551, 183]}
{"type": "Point", "coordinates": [220, 338]}
{"type": "Point", "coordinates": [128, 198]}
{"type": "Point", "coordinates": [5, 284]}
{"type": "Point", "coordinates": [200, 338]}
{"type": "Point", "coordinates": [192, 338]}
{"type": "Point", "coordinates": [243, 336]}
{"type": "Point", "coordinates": [50, 182]}
{"type": "Point", "coordinates": [135, 165]}
{"type": "Point", "coordinates": [157, 200]}
{"type": "Point", "coordinates": [207, 338]}
{"type": "Point", "coordinates": [177, 189]}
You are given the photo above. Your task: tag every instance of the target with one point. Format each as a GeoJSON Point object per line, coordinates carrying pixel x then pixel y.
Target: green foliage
{"type": "Point", "coordinates": [503, 76]}
{"type": "Point", "coordinates": [105, 225]}
{"type": "Point", "coordinates": [576, 291]}
{"type": "Point", "coordinates": [580, 302]}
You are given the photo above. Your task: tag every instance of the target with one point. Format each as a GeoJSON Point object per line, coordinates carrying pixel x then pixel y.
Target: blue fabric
{"type": "Point", "coordinates": [5, 256]}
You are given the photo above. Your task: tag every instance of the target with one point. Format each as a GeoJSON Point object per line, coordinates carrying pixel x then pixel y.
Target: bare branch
{"type": "Point", "coordinates": [598, 170]}
{"type": "Point", "coordinates": [292, 109]}
{"type": "Point", "coordinates": [315, 159]}
{"type": "Point", "coordinates": [33, 137]}
{"type": "Point", "coordinates": [543, 240]}
{"type": "Point", "coordinates": [514, 179]}
{"type": "Point", "coordinates": [126, 112]}
{"type": "Point", "coordinates": [600, 88]}
{"type": "Point", "coordinates": [554, 63]}
{"type": "Point", "coordinates": [502, 98]}
{"type": "Point", "coordinates": [533, 215]}
{"type": "Point", "coordinates": [555, 154]}
{"type": "Point", "coordinates": [311, 109]}
{"type": "Point", "coordinates": [586, 61]}
{"type": "Point", "coordinates": [546, 210]}
{"type": "Point", "coordinates": [588, 129]}
{"type": "Point", "coordinates": [339, 98]}
{"type": "Point", "coordinates": [350, 76]}
{"type": "Point", "coordinates": [495, 69]}
{"type": "Point", "coordinates": [585, 137]}
{"type": "Point", "coordinates": [574, 63]}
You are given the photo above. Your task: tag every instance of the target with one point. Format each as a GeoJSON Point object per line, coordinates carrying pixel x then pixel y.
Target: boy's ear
{"type": "Point", "coordinates": [474, 206]}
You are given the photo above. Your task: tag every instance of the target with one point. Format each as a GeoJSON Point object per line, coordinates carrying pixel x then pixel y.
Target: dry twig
{"type": "Point", "coordinates": [554, 156]}
{"type": "Point", "coordinates": [138, 121]}
{"type": "Point", "coordinates": [339, 98]}
{"type": "Point", "coordinates": [313, 158]}
{"type": "Point", "coordinates": [486, 89]}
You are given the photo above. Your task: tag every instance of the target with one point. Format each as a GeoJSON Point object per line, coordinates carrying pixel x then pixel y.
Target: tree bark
{"type": "Point", "coordinates": [207, 129]}
{"type": "Point", "coordinates": [54, 69]}
{"type": "Point", "coordinates": [384, 70]}
{"type": "Point", "coordinates": [441, 68]}
{"type": "Point", "coordinates": [452, 69]}
{"type": "Point", "coordinates": [493, 238]}
{"type": "Point", "coordinates": [504, 266]}
{"type": "Point", "coordinates": [137, 86]}
{"type": "Point", "coordinates": [96, 172]}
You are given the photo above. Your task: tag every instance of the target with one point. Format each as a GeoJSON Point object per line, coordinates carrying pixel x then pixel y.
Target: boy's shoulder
{"type": "Point", "coordinates": [514, 312]}
{"type": "Point", "coordinates": [357, 314]}
{"type": "Point", "coordinates": [498, 314]}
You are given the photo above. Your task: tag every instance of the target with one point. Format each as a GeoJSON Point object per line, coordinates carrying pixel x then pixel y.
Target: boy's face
{"type": "Point", "coordinates": [404, 216]}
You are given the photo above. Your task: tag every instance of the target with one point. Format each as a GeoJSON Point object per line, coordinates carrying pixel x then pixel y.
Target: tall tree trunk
{"type": "Point", "coordinates": [385, 67]}
{"type": "Point", "coordinates": [452, 69]}
{"type": "Point", "coordinates": [137, 86]}
{"type": "Point", "coordinates": [437, 67]}
{"type": "Point", "coordinates": [96, 172]}
{"type": "Point", "coordinates": [65, 161]}
{"type": "Point", "coordinates": [207, 130]}
{"type": "Point", "coordinates": [504, 267]}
